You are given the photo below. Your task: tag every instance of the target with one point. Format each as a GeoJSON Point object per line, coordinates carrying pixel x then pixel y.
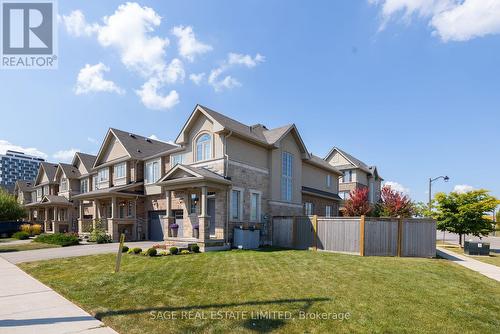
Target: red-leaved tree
{"type": "Point", "coordinates": [357, 204]}
{"type": "Point", "coordinates": [394, 204]}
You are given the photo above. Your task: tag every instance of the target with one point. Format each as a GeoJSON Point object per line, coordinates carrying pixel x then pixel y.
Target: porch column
{"type": "Point", "coordinates": [203, 218]}
{"type": "Point", "coordinates": [168, 203]}
{"type": "Point", "coordinates": [56, 213]}
{"type": "Point", "coordinates": [80, 210]}
{"type": "Point", "coordinates": [168, 218]}
{"type": "Point", "coordinates": [114, 215]}
{"type": "Point", "coordinates": [113, 207]}
{"type": "Point", "coordinates": [29, 215]}
{"type": "Point", "coordinates": [46, 214]}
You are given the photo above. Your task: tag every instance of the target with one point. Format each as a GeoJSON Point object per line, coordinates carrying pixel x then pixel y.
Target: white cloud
{"type": "Point", "coordinates": [153, 100]}
{"type": "Point", "coordinates": [65, 155]}
{"type": "Point", "coordinates": [92, 140]}
{"type": "Point", "coordinates": [5, 145]}
{"type": "Point", "coordinates": [173, 72]}
{"type": "Point", "coordinates": [189, 47]}
{"type": "Point", "coordinates": [462, 188]}
{"type": "Point", "coordinates": [246, 60]}
{"type": "Point", "coordinates": [452, 20]}
{"type": "Point", "coordinates": [154, 137]}
{"type": "Point", "coordinates": [77, 26]}
{"type": "Point", "coordinates": [91, 79]}
{"type": "Point", "coordinates": [197, 78]}
{"type": "Point", "coordinates": [397, 187]}
{"type": "Point", "coordinates": [233, 59]}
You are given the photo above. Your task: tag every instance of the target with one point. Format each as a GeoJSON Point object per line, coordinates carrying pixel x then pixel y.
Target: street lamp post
{"type": "Point", "coordinates": [445, 178]}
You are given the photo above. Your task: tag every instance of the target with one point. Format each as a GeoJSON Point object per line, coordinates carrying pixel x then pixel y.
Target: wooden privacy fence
{"type": "Point", "coordinates": [365, 236]}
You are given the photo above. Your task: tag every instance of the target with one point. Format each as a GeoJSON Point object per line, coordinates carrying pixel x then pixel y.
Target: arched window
{"type": "Point", "coordinates": [204, 147]}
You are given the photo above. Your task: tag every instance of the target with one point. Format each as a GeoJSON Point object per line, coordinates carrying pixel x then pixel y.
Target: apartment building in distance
{"type": "Point", "coordinates": [17, 166]}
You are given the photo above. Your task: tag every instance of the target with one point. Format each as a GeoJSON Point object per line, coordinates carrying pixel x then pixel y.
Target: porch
{"type": "Point", "coordinates": [196, 208]}
{"type": "Point", "coordinates": [54, 216]}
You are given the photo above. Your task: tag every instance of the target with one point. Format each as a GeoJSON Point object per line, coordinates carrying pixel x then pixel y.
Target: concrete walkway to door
{"type": "Point", "coordinates": [28, 306]}
{"type": "Point", "coordinates": [485, 269]}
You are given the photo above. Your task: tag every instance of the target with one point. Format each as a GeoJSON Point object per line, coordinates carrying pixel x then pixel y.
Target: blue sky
{"type": "Point", "coordinates": [413, 89]}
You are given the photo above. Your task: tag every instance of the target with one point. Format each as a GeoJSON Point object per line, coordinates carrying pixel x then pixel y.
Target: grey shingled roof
{"type": "Point", "coordinates": [70, 171]}
{"type": "Point", "coordinates": [317, 161]}
{"type": "Point", "coordinates": [50, 169]}
{"type": "Point", "coordinates": [140, 147]}
{"type": "Point", "coordinates": [23, 185]}
{"type": "Point", "coordinates": [56, 199]}
{"type": "Point", "coordinates": [87, 160]}
{"type": "Point", "coordinates": [357, 163]}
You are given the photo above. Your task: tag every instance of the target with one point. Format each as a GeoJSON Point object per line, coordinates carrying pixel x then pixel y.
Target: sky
{"type": "Point", "coordinates": [411, 86]}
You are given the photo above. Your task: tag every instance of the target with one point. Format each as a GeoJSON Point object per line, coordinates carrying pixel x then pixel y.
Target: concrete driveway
{"type": "Point", "coordinates": [72, 251]}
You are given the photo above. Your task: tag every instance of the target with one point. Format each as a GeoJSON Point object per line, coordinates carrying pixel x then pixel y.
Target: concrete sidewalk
{"type": "Point", "coordinates": [485, 269]}
{"type": "Point", "coordinates": [72, 251]}
{"type": "Point", "coordinates": [28, 306]}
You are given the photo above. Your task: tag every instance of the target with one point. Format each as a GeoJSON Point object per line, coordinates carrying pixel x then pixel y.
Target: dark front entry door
{"type": "Point", "coordinates": [155, 225]}
{"type": "Point", "coordinates": [211, 213]}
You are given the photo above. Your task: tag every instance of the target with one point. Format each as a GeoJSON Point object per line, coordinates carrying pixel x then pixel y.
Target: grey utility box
{"type": "Point", "coordinates": [246, 239]}
{"type": "Point", "coordinates": [476, 248]}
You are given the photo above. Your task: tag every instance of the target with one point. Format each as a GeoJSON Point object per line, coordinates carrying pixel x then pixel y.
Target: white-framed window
{"type": "Point", "coordinates": [84, 185]}
{"type": "Point", "coordinates": [308, 208]}
{"type": "Point", "coordinates": [255, 206]}
{"type": "Point", "coordinates": [286, 176]}
{"type": "Point", "coordinates": [64, 184]}
{"type": "Point", "coordinates": [176, 159]}
{"type": "Point", "coordinates": [236, 204]}
{"type": "Point", "coordinates": [39, 194]}
{"type": "Point", "coordinates": [328, 181]}
{"type": "Point", "coordinates": [344, 195]}
{"type": "Point", "coordinates": [46, 190]}
{"type": "Point", "coordinates": [95, 182]}
{"type": "Point", "coordinates": [347, 176]}
{"type": "Point", "coordinates": [103, 175]}
{"type": "Point", "coordinates": [328, 211]}
{"type": "Point", "coordinates": [152, 171]}
{"type": "Point", "coordinates": [204, 147]}
{"type": "Point", "coordinates": [120, 170]}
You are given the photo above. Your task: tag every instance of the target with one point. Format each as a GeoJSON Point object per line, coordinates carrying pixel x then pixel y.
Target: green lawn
{"type": "Point", "coordinates": [23, 247]}
{"type": "Point", "coordinates": [494, 258]}
{"type": "Point", "coordinates": [6, 239]}
{"type": "Point", "coordinates": [382, 294]}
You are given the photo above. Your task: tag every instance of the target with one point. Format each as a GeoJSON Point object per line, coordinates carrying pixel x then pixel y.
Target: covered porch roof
{"type": "Point", "coordinates": [182, 176]}
{"type": "Point", "coordinates": [321, 193]}
{"type": "Point", "coordinates": [51, 200]}
{"type": "Point", "coordinates": [122, 191]}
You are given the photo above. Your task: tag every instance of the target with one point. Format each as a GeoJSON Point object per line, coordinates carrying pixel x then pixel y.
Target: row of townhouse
{"type": "Point", "coordinates": [219, 174]}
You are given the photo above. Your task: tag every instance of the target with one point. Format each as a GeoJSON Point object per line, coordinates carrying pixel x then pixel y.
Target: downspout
{"type": "Point", "coordinates": [226, 167]}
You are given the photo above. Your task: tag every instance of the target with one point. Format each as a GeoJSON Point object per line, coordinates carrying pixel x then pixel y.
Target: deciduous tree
{"type": "Point", "coordinates": [394, 204]}
{"type": "Point", "coordinates": [10, 209]}
{"type": "Point", "coordinates": [357, 204]}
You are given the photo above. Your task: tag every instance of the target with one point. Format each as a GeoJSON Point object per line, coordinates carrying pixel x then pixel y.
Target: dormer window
{"type": "Point", "coordinates": [204, 147]}
{"type": "Point", "coordinates": [64, 184]}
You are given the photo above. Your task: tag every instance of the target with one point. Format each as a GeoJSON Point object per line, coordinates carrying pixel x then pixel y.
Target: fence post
{"type": "Point", "coordinates": [400, 235]}
{"type": "Point", "coordinates": [315, 231]}
{"type": "Point", "coordinates": [362, 236]}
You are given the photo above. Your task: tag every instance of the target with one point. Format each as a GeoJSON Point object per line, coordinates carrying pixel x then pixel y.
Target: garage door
{"type": "Point", "coordinates": [155, 225]}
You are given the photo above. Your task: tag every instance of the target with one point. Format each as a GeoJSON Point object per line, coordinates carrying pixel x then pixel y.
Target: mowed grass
{"type": "Point", "coordinates": [493, 259]}
{"type": "Point", "coordinates": [381, 294]}
{"type": "Point", "coordinates": [23, 247]}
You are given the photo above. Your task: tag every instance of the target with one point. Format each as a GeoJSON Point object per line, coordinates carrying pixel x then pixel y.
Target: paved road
{"type": "Point", "coordinates": [72, 251]}
{"type": "Point", "coordinates": [485, 269]}
{"type": "Point", "coordinates": [28, 306]}
{"type": "Point", "coordinates": [453, 239]}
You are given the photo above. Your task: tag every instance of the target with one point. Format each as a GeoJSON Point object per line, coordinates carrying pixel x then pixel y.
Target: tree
{"type": "Point", "coordinates": [10, 209]}
{"type": "Point", "coordinates": [357, 204]}
{"type": "Point", "coordinates": [394, 204]}
{"type": "Point", "coordinates": [463, 213]}
{"type": "Point", "coordinates": [421, 209]}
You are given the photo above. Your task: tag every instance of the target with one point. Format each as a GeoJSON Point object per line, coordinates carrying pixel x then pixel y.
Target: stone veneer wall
{"type": "Point", "coordinates": [320, 203]}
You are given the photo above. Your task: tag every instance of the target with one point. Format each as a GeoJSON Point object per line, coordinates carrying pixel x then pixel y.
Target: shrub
{"type": "Point", "coordinates": [125, 249]}
{"type": "Point", "coordinates": [130, 251]}
{"type": "Point", "coordinates": [162, 253]}
{"type": "Point", "coordinates": [137, 250]}
{"type": "Point", "coordinates": [21, 235]}
{"type": "Point", "coordinates": [151, 252]}
{"type": "Point", "coordinates": [174, 250]}
{"type": "Point", "coordinates": [61, 239]}
{"type": "Point", "coordinates": [99, 235]}
{"type": "Point", "coordinates": [26, 228]}
{"type": "Point", "coordinates": [184, 252]}
{"type": "Point", "coordinates": [36, 229]}
{"type": "Point", "coordinates": [194, 248]}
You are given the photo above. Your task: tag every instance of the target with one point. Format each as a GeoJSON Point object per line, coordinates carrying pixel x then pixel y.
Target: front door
{"type": "Point", "coordinates": [179, 220]}
{"type": "Point", "coordinates": [155, 227]}
{"type": "Point", "coordinates": [211, 213]}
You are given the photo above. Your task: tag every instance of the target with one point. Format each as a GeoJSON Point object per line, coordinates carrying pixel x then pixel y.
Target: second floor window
{"type": "Point", "coordinates": [103, 175]}
{"type": "Point", "coordinates": [152, 171]}
{"type": "Point", "coordinates": [95, 179]}
{"type": "Point", "coordinates": [176, 159]}
{"type": "Point", "coordinates": [204, 147]}
{"type": "Point", "coordinates": [328, 181]}
{"type": "Point", "coordinates": [64, 184]}
{"type": "Point", "coordinates": [84, 185]}
{"type": "Point", "coordinates": [286, 176]}
{"type": "Point", "coordinates": [120, 170]}
{"type": "Point", "coordinates": [39, 194]}
{"type": "Point", "coordinates": [347, 176]}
